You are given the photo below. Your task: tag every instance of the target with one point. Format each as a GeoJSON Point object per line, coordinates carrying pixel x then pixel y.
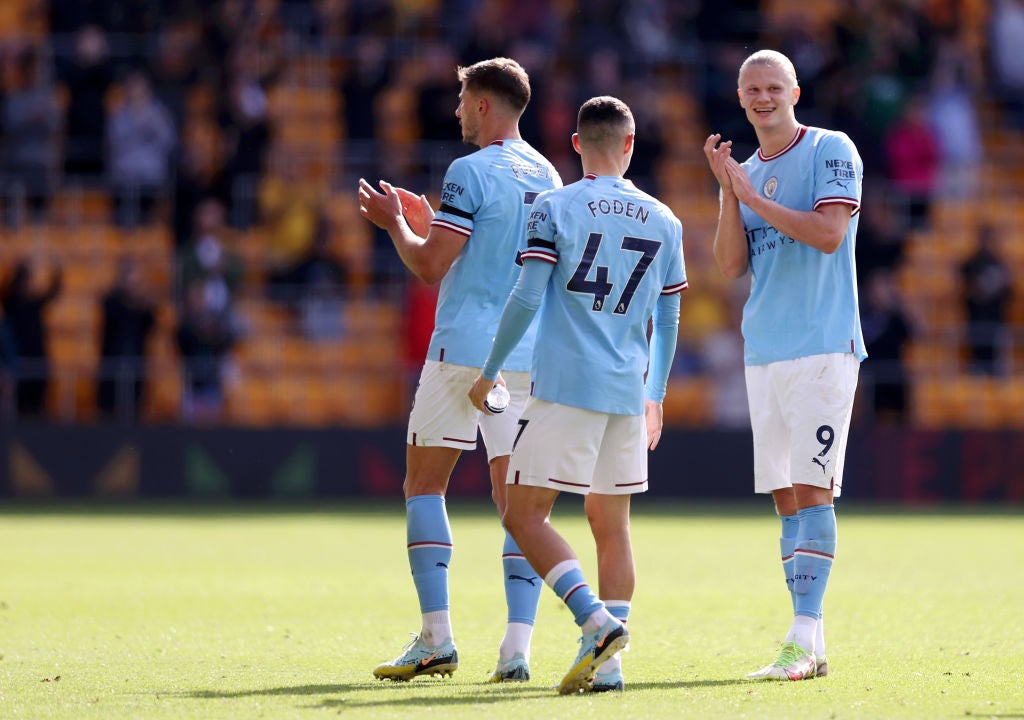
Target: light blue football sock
{"type": "Point", "coordinates": [813, 556]}
{"type": "Point", "coordinates": [429, 543]}
{"type": "Point", "coordinates": [522, 585]}
{"type": "Point", "coordinates": [787, 544]}
{"type": "Point", "coordinates": [566, 579]}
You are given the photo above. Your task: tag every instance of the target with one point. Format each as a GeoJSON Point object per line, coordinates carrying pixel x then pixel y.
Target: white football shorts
{"type": "Point", "coordinates": [442, 414]}
{"type": "Point", "coordinates": [580, 451]}
{"type": "Point", "coordinates": [800, 414]}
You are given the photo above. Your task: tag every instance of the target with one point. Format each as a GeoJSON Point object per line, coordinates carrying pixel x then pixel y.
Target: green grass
{"type": "Point", "coordinates": [282, 614]}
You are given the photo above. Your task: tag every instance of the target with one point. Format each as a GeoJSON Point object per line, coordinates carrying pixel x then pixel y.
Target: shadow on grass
{"type": "Point", "coordinates": [420, 694]}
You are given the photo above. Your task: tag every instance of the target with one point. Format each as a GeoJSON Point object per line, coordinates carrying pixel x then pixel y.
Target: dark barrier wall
{"type": "Point", "coordinates": [884, 465]}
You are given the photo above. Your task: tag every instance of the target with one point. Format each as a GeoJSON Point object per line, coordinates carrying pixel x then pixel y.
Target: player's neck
{"type": "Point", "coordinates": [598, 164]}
{"type": "Point", "coordinates": [500, 132]}
{"type": "Point", "coordinates": [775, 139]}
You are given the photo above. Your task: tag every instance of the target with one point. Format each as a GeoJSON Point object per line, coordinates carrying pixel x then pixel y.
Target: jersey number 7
{"type": "Point", "coordinates": [599, 287]}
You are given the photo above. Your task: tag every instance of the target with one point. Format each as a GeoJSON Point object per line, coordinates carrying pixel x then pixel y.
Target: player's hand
{"type": "Point", "coordinates": [382, 209]}
{"type": "Point", "coordinates": [417, 211]}
{"type": "Point", "coordinates": [478, 393]}
{"type": "Point", "coordinates": [742, 188]}
{"type": "Point", "coordinates": [654, 417]}
{"type": "Point", "coordinates": [717, 153]}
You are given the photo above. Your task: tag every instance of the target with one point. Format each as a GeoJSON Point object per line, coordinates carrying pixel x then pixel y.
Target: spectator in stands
{"type": "Point", "coordinates": [246, 128]}
{"type": "Point", "coordinates": [314, 287]}
{"type": "Point", "coordinates": [31, 130]}
{"type": "Point", "coordinates": [199, 176]}
{"type": "Point", "coordinates": [1006, 29]}
{"type": "Point", "coordinates": [321, 281]}
{"type": "Point", "coordinates": [290, 210]}
{"type": "Point", "coordinates": [435, 95]}
{"type": "Point", "coordinates": [206, 334]}
{"type": "Point", "coordinates": [128, 319]}
{"type": "Point", "coordinates": [31, 288]}
{"type": "Point", "coordinates": [912, 162]}
{"type": "Point", "coordinates": [951, 110]}
{"type": "Point", "coordinates": [419, 305]}
{"type": "Point", "coordinates": [987, 290]}
{"type": "Point", "coordinates": [648, 146]}
{"type": "Point", "coordinates": [880, 237]}
{"type": "Point", "coordinates": [140, 139]}
{"type": "Point", "coordinates": [366, 77]}
{"type": "Point", "coordinates": [721, 354]}
{"type": "Point", "coordinates": [175, 67]}
{"type": "Point", "coordinates": [208, 257]}
{"type": "Point", "coordinates": [223, 22]}
{"type": "Point", "coordinates": [86, 78]}
{"type": "Point", "coordinates": [887, 330]}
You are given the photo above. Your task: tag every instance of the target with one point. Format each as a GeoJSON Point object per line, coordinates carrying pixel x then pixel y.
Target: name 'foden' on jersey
{"type": "Point", "coordinates": [615, 206]}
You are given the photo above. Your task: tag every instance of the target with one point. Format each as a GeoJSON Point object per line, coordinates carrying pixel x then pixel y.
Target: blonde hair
{"type": "Point", "coordinates": [771, 58]}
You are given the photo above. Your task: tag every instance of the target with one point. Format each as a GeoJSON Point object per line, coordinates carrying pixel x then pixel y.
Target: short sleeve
{"type": "Point", "coordinates": [838, 171]}
{"type": "Point", "coordinates": [462, 195]}
{"type": "Point", "coordinates": [675, 277]}
{"type": "Point", "coordinates": [540, 231]}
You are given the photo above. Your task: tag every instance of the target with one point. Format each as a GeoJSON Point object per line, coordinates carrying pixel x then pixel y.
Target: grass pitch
{"type": "Point", "coordinates": [251, 613]}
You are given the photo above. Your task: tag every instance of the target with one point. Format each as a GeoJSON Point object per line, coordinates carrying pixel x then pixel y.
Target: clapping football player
{"type": "Point", "coordinates": [789, 217]}
{"type": "Point", "coordinates": [471, 246]}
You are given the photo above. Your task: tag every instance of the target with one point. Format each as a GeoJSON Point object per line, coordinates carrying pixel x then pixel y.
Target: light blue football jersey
{"type": "Point", "coordinates": [803, 301]}
{"type": "Point", "coordinates": [615, 250]}
{"type": "Point", "coordinates": [486, 197]}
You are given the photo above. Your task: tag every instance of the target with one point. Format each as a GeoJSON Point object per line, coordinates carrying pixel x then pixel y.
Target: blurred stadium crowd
{"type": "Point", "coordinates": [180, 239]}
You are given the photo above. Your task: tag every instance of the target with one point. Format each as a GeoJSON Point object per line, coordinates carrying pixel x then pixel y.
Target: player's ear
{"type": "Point", "coordinates": [627, 147]}
{"type": "Point", "coordinates": [796, 94]}
{"type": "Point", "coordinates": [576, 143]}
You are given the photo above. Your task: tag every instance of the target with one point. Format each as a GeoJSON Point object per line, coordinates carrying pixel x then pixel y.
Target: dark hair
{"type": "Point", "coordinates": [604, 119]}
{"type": "Point", "coordinates": [503, 77]}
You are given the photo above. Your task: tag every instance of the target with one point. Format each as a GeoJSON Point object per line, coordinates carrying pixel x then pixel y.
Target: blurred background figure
{"type": "Point", "coordinates": [128, 316]}
{"type": "Point", "coordinates": [887, 331]}
{"type": "Point", "coordinates": [32, 126]}
{"type": "Point", "coordinates": [291, 214]}
{"type": "Point", "coordinates": [206, 334]}
{"type": "Point", "coordinates": [881, 236]}
{"type": "Point", "coordinates": [86, 77]}
{"type": "Point", "coordinates": [954, 119]}
{"type": "Point", "coordinates": [208, 256]}
{"type": "Point", "coordinates": [245, 125]}
{"type": "Point", "coordinates": [140, 137]}
{"type": "Point", "coordinates": [721, 357]}
{"type": "Point", "coordinates": [419, 305]}
{"type": "Point", "coordinates": [913, 162]}
{"type": "Point", "coordinates": [199, 176]}
{"type": "Point", "coordinates": [31, 287]}
{"type": "Point", "coordinates": [314, 288]}
{"type": "Point", "coordinates": [1006, 31]}
{"type": "Point", "coordinates": [988, 289]}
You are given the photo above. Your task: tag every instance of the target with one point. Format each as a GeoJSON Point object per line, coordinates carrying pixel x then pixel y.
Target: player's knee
{"type": "Point", "coordinates": [414, 486]}
{"type": "Point", "coordinates": [513, 522]}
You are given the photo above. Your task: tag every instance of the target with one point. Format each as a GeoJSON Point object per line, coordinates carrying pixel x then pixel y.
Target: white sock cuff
{"type": "Point", "coordinates": [559, 570]}
{"type": "Point", "coordinates": [618, 603]}
{"type": "Point", "coordinates": [803, 631]}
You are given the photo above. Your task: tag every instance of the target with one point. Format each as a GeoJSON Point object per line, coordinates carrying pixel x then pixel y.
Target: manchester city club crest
{"type": "Point", "coordinates": [770, 186]}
